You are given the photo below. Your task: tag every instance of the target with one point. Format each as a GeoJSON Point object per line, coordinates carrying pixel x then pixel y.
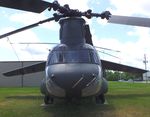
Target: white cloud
{"type": "Point", "coordinates": [28, 18]}
{"type": "Point", "coordinates": [82, 4]}
{"type": "Point", "coordinates": [132, 53]}
{"type": "Point", "coordinates": [130, 7]}
{"type": "Point", "coordinates": [102, 21]}
{"type": "Point", "coordinates": [138, 8]}
{"type": "Point", "coordinates": [25, 52]}
{"type": "Point", "coordinates": [142, 45]}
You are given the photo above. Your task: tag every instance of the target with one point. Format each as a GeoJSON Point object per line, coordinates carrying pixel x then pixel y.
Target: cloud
{"type": "Point", "coordinates": [102, 21]}
{"type": "Point", "coordinates": [130, 7]}
{"type": "Point", "coordinates": [82, 4]}
{"type": "Point", "coordinates": [143, 42]}
{"type": "Point", "coordinates": [28, 18]}
{"type": "Point", "coordinates": [26, 51]}
{"type": "Point", "coordinates": [131, 53]}
{"type": "Point", "coordinates": [138, 8]}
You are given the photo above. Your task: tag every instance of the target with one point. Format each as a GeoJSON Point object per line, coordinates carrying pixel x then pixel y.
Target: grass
{"type": "Point", "coordinates": [124, 100]}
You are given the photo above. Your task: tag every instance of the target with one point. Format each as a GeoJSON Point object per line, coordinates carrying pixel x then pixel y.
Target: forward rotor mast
{"type": "Point", "coordinates": [62, 12]}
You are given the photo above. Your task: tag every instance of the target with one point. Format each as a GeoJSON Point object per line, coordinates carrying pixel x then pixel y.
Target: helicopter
{"type": "Point", "coordinates": [73, 68]}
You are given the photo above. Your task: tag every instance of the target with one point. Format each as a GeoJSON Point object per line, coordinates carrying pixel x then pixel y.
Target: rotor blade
{"type": "Point", "coordinates": [38, 67]}
{"type": "Point", "coordinates": [36, 6]}
{"type": "Point", "coordinates": [58, 43]}
{"type": "Point", "coordinates": [106, 49]}
{"type": "Point", "coordinates": [26, 27]}
{"type": "Point", "coordinates": [35, 43]}
{"type": "Point", "coordinates": [135, 21]}
{"type": "Point", "coordinates": [108, 54]}
{"type": "Point", "coordinates": [120, 67]}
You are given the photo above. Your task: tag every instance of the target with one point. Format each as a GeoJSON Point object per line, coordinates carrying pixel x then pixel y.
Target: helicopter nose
{"type": "Point", "coordinates": [73, 76]}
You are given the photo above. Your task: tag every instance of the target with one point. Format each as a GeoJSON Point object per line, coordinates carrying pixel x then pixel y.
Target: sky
{"type": "Point", "coordinates": [132, 41]}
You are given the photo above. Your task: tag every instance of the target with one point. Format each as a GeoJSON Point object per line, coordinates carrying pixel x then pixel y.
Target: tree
{"type": "Point", "coordinates": [116, 75]}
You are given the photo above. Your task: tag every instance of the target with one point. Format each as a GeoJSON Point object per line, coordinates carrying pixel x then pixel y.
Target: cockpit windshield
{"type": "Point", "coordinates": [73, 56]}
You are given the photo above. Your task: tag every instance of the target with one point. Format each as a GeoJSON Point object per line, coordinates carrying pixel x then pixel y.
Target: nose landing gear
{"type": "Point", "coordinates": [100, 99]}
{"type": "Point", "coordinates": [48, 100]}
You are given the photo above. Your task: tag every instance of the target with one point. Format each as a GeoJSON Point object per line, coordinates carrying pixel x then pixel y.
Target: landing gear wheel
{"type": "Point", "coordinates": [48, 100]}
{"type": "Point", "coordinates": [100, 99]}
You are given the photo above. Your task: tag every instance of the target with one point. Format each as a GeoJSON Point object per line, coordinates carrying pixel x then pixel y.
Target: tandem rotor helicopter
{"type": "Point", "coordinates": [73, 68]}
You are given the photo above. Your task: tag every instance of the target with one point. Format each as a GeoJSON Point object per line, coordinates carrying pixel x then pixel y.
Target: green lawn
{"type": "Point", "coordinates": [124, 100]}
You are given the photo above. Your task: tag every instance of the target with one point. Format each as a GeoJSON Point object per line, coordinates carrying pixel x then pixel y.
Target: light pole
{"type": "Point", "coordinates": [145, 63]}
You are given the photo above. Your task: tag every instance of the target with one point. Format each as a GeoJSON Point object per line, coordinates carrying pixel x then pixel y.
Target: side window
{"type": "Point", "coordinates": [94, 57]}
{"type": "Point", "coordinates": [60, 57]}
{"type": "Point", "coordinates": [55, 57]}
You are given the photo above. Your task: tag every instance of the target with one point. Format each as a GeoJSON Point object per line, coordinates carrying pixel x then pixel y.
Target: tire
{"type": "Point", "coordinates": [48, 100]}
{"type": "Point", "coordinates": [100, 99]}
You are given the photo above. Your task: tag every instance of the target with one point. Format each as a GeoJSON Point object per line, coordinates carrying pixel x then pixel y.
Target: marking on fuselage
{"type": "Point", "coordinates": [91, 81]}
{"type": "Point", "coordinates": [78, 82]}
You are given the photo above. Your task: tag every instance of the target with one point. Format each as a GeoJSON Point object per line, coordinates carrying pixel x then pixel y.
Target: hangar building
{"type": "Point", "coordinates": [34, 79]}
{"type": "Point", "coordinates": [21, 80]}
{"type": "Point", "coordinates": [146, 76]}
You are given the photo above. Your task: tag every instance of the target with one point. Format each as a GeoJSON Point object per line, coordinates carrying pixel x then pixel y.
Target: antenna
{"type": "Point", "coordinates": [145, 63]}
{"type": "Point", "coordinates": [13, 48]}
{"type": "Point", "coordinates": [22, 80]}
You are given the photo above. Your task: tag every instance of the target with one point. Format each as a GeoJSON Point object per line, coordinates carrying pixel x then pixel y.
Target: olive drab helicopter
{"type": "Point", "coordinates": [73, 68]}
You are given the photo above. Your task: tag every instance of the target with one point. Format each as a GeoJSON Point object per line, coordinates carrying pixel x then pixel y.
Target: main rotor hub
{"type": "Point", "coordinates": [72, 30]}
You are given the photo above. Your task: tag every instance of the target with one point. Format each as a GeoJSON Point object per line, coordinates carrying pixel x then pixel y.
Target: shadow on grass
{"type": "Point", "coordinates": [27, 97]}
{"type": "Point", "coordinates": [108, 95]}
{"type": "Point", "coordinates": [121, 96]}
{"type": "Point", "coordinates": [85, 109]}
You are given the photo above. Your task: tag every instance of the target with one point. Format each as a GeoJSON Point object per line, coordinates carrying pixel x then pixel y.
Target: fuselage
{"type": "Point", "coordinates": [73, 71]}
{"type": "Point", "coordinates": [73, 67]}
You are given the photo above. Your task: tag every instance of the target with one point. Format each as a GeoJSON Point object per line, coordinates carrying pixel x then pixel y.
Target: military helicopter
{"type": "Point", "coordinates": [73, 68]}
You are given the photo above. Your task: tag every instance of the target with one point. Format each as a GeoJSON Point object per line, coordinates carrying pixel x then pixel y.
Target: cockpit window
{"type": "Point", "coordinates": [76, 56]}
{"type": "Point", "coordinates": [94, 57]}
{"type": "Point", "coordinates": [56, 57]}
